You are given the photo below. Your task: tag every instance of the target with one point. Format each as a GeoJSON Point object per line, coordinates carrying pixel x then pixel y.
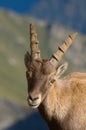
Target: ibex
{"type": "Point", "coordinates": [60, 101]}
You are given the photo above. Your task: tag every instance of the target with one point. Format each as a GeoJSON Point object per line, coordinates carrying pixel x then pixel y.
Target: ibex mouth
{"type": "Point", "coordinates": [34, 102]}
{"type": "Point", "coordinates": [33, 105]}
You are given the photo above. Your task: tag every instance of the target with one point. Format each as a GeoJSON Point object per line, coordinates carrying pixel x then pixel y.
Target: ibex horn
{"type": "Point", "coordinates": [57, 56]}
{"type": "Point", "coordinates": [35, 52]}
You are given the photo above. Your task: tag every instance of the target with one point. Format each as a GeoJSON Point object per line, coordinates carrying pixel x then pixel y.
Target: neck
{"type": "Point", "coordinates": [47, 106]}
{"type": "Point", "coordinates": [56, 103]}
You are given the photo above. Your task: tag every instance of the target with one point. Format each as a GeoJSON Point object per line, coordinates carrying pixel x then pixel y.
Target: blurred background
{"type": "Point", "coordinates": [54, 20]}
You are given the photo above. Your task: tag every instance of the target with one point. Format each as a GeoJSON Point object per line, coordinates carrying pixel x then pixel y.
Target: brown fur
{"type": "Point", "coordinates": [65, 103]}
{"type": "Point", "coordinates": [61, 102]}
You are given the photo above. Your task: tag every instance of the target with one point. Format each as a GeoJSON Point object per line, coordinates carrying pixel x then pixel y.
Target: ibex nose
{"type": "Point", "coordinates": [33, 98]}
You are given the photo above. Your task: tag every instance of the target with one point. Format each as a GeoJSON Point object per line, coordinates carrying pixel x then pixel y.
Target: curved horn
{"type": "Point", "coordinates": [57, 56]}
{"type": "Point", "coordinates": [35, 52]}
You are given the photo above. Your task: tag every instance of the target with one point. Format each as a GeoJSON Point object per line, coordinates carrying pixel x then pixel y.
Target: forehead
{"type": "Point", "coordinates": [43, 66]}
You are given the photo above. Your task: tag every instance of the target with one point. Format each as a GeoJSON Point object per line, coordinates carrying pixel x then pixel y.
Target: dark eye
{"type": "Point", "coordinates": [29, 74]}
{"type": "Point", "coordinates": [52, 81]}
{"type": "Point", "coordinates": [32, 69]}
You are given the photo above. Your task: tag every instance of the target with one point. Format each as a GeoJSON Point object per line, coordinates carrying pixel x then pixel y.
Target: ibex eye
{"type": "Point", "coordinates": [32, 69]}
{"type": "Point", "coordinates": [52, 81]}
{"type": "Point", "coordinates": [29, 74]}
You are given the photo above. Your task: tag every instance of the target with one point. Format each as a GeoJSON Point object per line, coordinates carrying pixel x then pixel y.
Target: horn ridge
{"type": "Point", "coordinates": [57, 56]}
{"type": "Point", "coordinates": [60, 49]}
{"type": "Point", "coordinates": [35, 52]}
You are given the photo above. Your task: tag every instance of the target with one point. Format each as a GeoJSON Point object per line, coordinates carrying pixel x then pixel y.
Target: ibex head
{"type": "Point", "coordinates": [41, 74]}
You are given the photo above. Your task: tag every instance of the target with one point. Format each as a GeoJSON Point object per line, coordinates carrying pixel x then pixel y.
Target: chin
{"type": "Point", "coordinates": [33, 105]}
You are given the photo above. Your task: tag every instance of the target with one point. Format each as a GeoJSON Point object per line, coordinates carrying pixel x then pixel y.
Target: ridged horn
{"type": "Point", "coordinates": [35, 52]}
{"type": "Point", "coordinates": [57, 56]}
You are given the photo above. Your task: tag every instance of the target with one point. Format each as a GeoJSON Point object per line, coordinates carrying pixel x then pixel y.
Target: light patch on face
{"type": "Point", "coordinates": [34, 104]}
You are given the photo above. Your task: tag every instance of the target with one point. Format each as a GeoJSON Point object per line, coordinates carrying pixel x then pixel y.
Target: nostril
{"type": "Point", "coordinates": [33, 99]}
{"type": "Point", "coordinates": [30, 97]}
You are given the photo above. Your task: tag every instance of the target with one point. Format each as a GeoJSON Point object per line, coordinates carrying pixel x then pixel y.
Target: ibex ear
{"type": "Point", "coordinates": [27, 59]}
{"type": "Point", "coordinates": [62, 69]}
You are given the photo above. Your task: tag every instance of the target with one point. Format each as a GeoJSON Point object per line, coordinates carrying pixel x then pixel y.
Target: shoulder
{"type": "Point", "coordinates": [76, 75]}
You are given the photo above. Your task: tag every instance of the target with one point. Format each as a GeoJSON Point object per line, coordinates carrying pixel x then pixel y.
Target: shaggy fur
{"type": "Point", "coordinates": [64, 108]}
{"type": "Point", "coordinates": [61, 102]}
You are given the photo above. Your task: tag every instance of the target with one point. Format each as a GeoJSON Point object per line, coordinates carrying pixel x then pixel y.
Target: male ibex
{"type": "Point", "coordinates": [61, 102]}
